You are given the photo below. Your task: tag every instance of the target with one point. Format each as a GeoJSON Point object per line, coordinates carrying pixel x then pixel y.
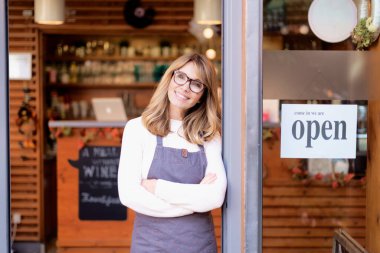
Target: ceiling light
{"type": "Point", "coordinates": [208, 33]}
{"type": "Point", "coordinates": [304, 29]}
{"type": "Point", "coordinates": [211, 54]}
{"type": "Point", "coordinates": [332, 21]}
{"type": "Point", "coordinates": [207, 12]}
{"type": "Point", "coordinates": [49, 12]}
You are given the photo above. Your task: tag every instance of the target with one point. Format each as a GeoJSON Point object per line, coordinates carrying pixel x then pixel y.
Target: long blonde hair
{"type": "Point", "coordinates": [201, 122]}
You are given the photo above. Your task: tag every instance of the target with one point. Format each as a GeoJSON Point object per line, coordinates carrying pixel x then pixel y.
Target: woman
{"type": "Point", "coordinates": [171, 172]}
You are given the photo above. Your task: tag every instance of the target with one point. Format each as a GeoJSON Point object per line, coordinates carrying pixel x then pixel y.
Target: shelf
{"type": "Point", "coordinates": [107, 58]}
{"type": "Point", "coordinates": [361, 153]}
{"type": "Point", "coordinates": [103, 86]}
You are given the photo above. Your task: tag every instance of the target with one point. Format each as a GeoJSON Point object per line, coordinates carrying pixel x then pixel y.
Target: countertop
{"type": "Point", "coordinates": [85, 123]}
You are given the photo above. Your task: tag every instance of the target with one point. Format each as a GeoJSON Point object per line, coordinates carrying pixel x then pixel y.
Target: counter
{"type": "Point", "coordinates": [85, 123]}
{"type": "Point", "coordinates": [89, 213]}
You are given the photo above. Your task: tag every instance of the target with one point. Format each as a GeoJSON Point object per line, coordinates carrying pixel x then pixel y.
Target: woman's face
{"type": "Point", "coordinates": [181, 97]}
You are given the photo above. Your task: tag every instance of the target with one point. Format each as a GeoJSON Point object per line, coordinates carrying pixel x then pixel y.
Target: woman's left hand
{"type": "Point", "coordinates": [149, 185]}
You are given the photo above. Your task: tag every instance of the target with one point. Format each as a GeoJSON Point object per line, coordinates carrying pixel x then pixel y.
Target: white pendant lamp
{"type": "Point", "coordinates": [49, 12]}
{"type": "Point", "coordinates": [207, 12]}
{"type": "Point", "coordinates": [332, 21]}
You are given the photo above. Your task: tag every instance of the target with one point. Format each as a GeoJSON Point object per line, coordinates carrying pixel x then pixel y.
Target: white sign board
{"type": "Point", "coordinates": [318, 131]}
{"type": "Point", "coordinates": [20, 66]}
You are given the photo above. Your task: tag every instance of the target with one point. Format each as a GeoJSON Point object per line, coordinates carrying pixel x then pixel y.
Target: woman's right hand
{"type": "Point", "coordinates": [209, 179]}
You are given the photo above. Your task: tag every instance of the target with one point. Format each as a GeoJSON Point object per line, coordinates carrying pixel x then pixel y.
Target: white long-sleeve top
{"type": "Point", "coordinates": [170, 199]}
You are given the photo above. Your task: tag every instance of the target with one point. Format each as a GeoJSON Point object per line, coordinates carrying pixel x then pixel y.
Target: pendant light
{"type": "Point", "coordinates": [207, 12]}
{"type": "Point", "coordinates": [332, 21]}
{"type": "Point", "coordinates": [49, 12]}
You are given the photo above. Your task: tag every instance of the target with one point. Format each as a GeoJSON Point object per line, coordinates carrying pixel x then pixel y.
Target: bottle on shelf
{"type": "Point", "coordinates": [123, 48]}
{"type": "Point", "coordinates": [146, 51]}
{"type": "Point", "coordinates": [73, 72]}
{"type": "Point", "coordinates": [64, 75]}
{"type": "Point", "coordinates": [80, 50]}
{"type": "Point", "coordinates": [88, 49]}
{"type": "Point", "coordinates": [54, 110]}
{"type": "Point", "coordinates": [131, 52]}
{"type": "Point", "coordinates": [174, 50]}
{"type": "Point", "coordinates": [52, 74]}
{"type": "Point", "coordinates": [59, 49]}
{"type": "Point", "coordinates": [155, 52]}
{"type": "Point", "coordinates": [165, 48]}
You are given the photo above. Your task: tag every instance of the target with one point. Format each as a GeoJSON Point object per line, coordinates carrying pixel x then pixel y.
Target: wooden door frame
{"type": "Point", "coordinates": [4, 131]}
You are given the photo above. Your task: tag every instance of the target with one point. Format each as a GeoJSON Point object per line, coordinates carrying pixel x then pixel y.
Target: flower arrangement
{"type": "Point", "coordinates": [363, 34]}
{"type": "Point", "coordinates": [335, 179]}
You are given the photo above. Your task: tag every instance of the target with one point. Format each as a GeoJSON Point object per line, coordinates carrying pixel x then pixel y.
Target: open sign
{"type": "Point", "coordinates": [318, 131]}
{"type": "Point", "coordinates": [314, 130]}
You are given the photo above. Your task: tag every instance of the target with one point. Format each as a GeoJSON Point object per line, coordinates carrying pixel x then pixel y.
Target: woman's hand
{"type": "Point", "coordinates": [209, 178]}
{"type": "Point", "coordinates": [149, 185]}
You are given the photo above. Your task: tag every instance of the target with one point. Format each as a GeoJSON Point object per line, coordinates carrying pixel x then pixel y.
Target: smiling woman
{"type": "Point", "coordinates": [171, 172]}
{"type": "Point", "coordinates": [200, 111]}
{"type": "Point", "coordinates": [184, 92]}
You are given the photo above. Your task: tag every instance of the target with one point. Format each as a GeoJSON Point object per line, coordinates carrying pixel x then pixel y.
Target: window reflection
{"type": "Point", "coordinates": [286, 27]}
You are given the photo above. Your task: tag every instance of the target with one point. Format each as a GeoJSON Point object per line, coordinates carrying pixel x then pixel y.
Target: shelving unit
{"type": "Point", "coordinates": [107, 58]}
{"type": "Point", "coordinates": [85, 66]}
{"type": "Point", "coordinates": [68, 86]}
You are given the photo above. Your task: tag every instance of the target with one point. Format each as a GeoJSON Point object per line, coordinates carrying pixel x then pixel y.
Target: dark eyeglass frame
{"type": "Point", "coordinates": [188, 79]}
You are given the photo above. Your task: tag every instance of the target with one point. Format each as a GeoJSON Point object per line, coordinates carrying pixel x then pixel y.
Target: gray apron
{"type": "Point", "coordinates": [192, 233]}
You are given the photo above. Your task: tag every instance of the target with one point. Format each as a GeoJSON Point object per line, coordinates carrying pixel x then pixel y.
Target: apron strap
{"type": "Point", "coordinates": [159, 141]}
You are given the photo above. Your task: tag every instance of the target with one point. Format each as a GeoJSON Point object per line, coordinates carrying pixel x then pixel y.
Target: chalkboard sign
{"type": "Point", "coordinates": [98, 193]}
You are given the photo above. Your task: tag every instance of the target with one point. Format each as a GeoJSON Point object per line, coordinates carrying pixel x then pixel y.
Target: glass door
{"type": "Point", "coordinates": [319, 101]}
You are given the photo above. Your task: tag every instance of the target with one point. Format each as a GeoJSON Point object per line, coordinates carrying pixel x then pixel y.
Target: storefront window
{"type": "Point", "coordinates": [310, 194]}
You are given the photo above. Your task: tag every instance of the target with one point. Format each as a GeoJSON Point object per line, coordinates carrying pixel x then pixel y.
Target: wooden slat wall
{"type": "Point", "coordinates": [88, 16]}
{"type": "Point", "coordinates": [299, 218]}
{"type": "Point", "coordinates": [26, 187]}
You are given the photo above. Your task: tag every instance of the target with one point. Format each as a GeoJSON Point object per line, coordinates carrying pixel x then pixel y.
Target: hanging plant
{"type": "Point", "coordinates": [364, 34]}
{"type": "Point", "coordinates": [367, 29]}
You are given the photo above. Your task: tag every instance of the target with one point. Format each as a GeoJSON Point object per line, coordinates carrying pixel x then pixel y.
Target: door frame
{"type": "Point", "coordinates": [4, 131]}
{"type": "Point", "coordinates": [242, 125]}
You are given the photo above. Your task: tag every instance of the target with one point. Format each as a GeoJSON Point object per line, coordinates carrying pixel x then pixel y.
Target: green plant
{"type": "Point", "coordinates": [363, 33]}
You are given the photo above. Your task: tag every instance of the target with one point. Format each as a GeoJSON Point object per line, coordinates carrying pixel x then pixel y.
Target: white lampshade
{"type": "Point", "coordinates": [332, 21]}
{"type": "Point", "coordinates": [49, 12]}
{"type": "Point", "coordinates": [207, 12]}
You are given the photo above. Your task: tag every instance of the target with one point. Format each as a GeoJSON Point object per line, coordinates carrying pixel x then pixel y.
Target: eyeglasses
{"type": "Point", "coordinates": [181, 78]}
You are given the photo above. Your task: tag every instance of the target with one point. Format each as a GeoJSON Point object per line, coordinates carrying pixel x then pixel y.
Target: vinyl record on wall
{"type": "Point", "coordinates": [138, 16]}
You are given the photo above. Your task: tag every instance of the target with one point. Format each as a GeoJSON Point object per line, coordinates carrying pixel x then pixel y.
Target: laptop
{"type": "Point", "coordinates": [109, 109]}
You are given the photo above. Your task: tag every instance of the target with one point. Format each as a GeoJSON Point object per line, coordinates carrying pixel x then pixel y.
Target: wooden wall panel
{"type": "Point", "coordinates": [26, 187]}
